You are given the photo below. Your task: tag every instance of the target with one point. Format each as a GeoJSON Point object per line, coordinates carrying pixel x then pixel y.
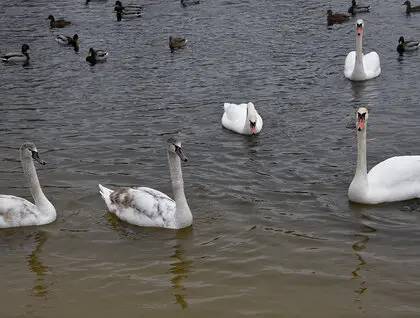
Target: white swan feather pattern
{"type": "Point", "coordinates": [16, 211]}
{"type": "Point", "coordinates": [395, 179]}
{"type": "Point", "coordinates": [144, 206]}
{"type": "Point", "coordinates": [242, 118]}
{"type": "Point", "coordinates": [140, 206]}
{"type": "Point", "coordinates": [359, 67]}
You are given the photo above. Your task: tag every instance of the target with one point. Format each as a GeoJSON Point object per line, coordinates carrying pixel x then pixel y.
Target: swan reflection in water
{"type": "Point", "coordinates": [35, 266]}
{"type": "Point", "coordinates": [180, 267]}
{"type": "Point", "coordinates": [362, 238]}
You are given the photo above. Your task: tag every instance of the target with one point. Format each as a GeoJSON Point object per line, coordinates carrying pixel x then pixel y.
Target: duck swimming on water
{"type": "Point", "coordinates": [61, 23]}
{"type": "Point", "coordinates": [333, 18]}
{"type": "Point", "coordinates": [177, 43]}
{"type": "Point", "coordinates": [129, 11]}
{"type": "Point", "coordinates": [355, 8]}
{"type": "Point", "coordinates": [407, 45]}
{"type": "Point", "coordinates": [96, 56]}
{"type": "Point", "coordinates": [409, 8]}
{"type": "Point", "coordinates": [69, 41]}
{"type": "Point", "coordinates": [22, 57]}
{"type": "Point", "coordinates": [186, 3]}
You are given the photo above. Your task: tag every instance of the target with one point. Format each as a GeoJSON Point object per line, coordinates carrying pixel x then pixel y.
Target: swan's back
{"type": "Point", "coordinates": [395, 179]}
{"type": "Point", "coordinates": [141, 206]}
{"type": "Point", "coordinates": [16, 212]}
{"type": "Point", "coordinates": [349, 64]}
{"type": "Point", "coordinates": [372, 65]}
{"type": "Point", "coordinates": [234, 117]}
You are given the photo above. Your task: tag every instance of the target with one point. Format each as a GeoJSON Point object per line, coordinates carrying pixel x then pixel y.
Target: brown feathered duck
{"type": "Point", "coordinates": [333, 18]}
{"type": "Point", "coordinates": [57, 23]}
{"type": "Point", "coordinates": [177, 43]}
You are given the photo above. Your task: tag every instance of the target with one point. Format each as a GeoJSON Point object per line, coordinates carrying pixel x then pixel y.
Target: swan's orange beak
{"type": "Point", "coordinates": [360, 124]}
{"type": "Point", "coordinates": [359, 30]}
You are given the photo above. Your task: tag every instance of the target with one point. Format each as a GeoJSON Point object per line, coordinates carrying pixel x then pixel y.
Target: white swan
{"type": "Point", "coordinates": [15, 211]}
{"type": "Point", "coordinates": [359, 67]}
{"type": "Point", "coordinates": [148, 207]}
{"type": "Point", "coordinates": [395, 179]}
{"type": "Point", "coordinates": [242, 118]}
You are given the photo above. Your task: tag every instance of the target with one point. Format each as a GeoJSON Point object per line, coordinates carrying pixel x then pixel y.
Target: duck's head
{"type": "Point", "coordinates": [329, 12]}
{"type": "Point", "coordinates": [361, 118]}
{"type": "Point", "coordinates": [25, 48]}
{"type": "Point", "coordinates": [401, 40]}
{"type": "Point", "coordinates": [51, 18]}
{"type": "Point", "coordinates": [353, 3]}
{"type": "Point", "coordinates": [174, 147]}
{"type": "Point", "coordinates": [252, 117]}
{"type": "Point", "coordinates": [28, 151]}
{"type": "Point", "coordinates": [407, 3]}
{"type": "Point", "coordinates": [118, 4]}
{"type": "Point", "coordinates": [359, 27]}
{"type": "Point", "coordinates": [91, 52]}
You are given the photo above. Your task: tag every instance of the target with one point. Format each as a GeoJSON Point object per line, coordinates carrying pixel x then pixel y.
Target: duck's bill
{"type": "Point", "coordinates": [360, 124]}
{"type": "Point", "coordinates": [181, 154]}
{"type": "Point", "coordinates": [36, 157]}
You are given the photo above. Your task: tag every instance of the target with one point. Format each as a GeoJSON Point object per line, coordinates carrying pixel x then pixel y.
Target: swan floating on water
{"type": "Point", "coordinates": [148, 207]}
{"type": "Point", "coordinates": [242, 118]}
{"type": "Point", "coordinates": [395, 179]}
{"type": "Point", "coordinates": [15, 211]}
{"type": "Point", "coordinates": [359, 67]}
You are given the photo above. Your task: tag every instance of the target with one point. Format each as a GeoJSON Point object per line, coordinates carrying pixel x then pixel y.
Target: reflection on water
{"type": "Point", "coordinates": [362, 239]}
{"type": "Point", "coordinates": [180, 267]}
{"type": "Point", "coordinates": [35, 265]}
{"type": "Point", "coordinates": [358, 88]}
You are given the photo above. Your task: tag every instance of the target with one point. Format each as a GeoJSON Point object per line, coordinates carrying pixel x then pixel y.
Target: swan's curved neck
{"type": "Point", "coordinates": [361, 168]}
{"type": "Point", "coordinates": [246, 125]}
{"type": "Point", "coordinates": [183, 213]}
{"type": "Point", "coordinates": [40, 199]}
{"type": "Point", "coordinates": [359, 51]}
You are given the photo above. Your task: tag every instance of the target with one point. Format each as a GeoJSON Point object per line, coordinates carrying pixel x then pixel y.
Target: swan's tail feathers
{"type": "Point", "coordinates": [105, 193]}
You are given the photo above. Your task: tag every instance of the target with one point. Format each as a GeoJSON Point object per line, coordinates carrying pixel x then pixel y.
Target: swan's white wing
{"type": "Point", "coordinates": [395, 179]}
{"type": "Point", "coordinates": [349, 64]}
{"type": "Point", "coordinates": [259, 123]}
{"type": "Point", "coordinates": [234, 117]}
{"type": "Point", "coordinates": [143, 206]}
{"type": "Point", "coordinates": [15, 212]}
{"type": "Point", "coordinates": [372, 64]}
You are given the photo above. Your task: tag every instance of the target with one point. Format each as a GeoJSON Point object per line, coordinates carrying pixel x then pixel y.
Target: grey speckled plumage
{"type": "Point", "coordinates": [15, 211]}
{"type": "Point", "coordinates": [144, 206]}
